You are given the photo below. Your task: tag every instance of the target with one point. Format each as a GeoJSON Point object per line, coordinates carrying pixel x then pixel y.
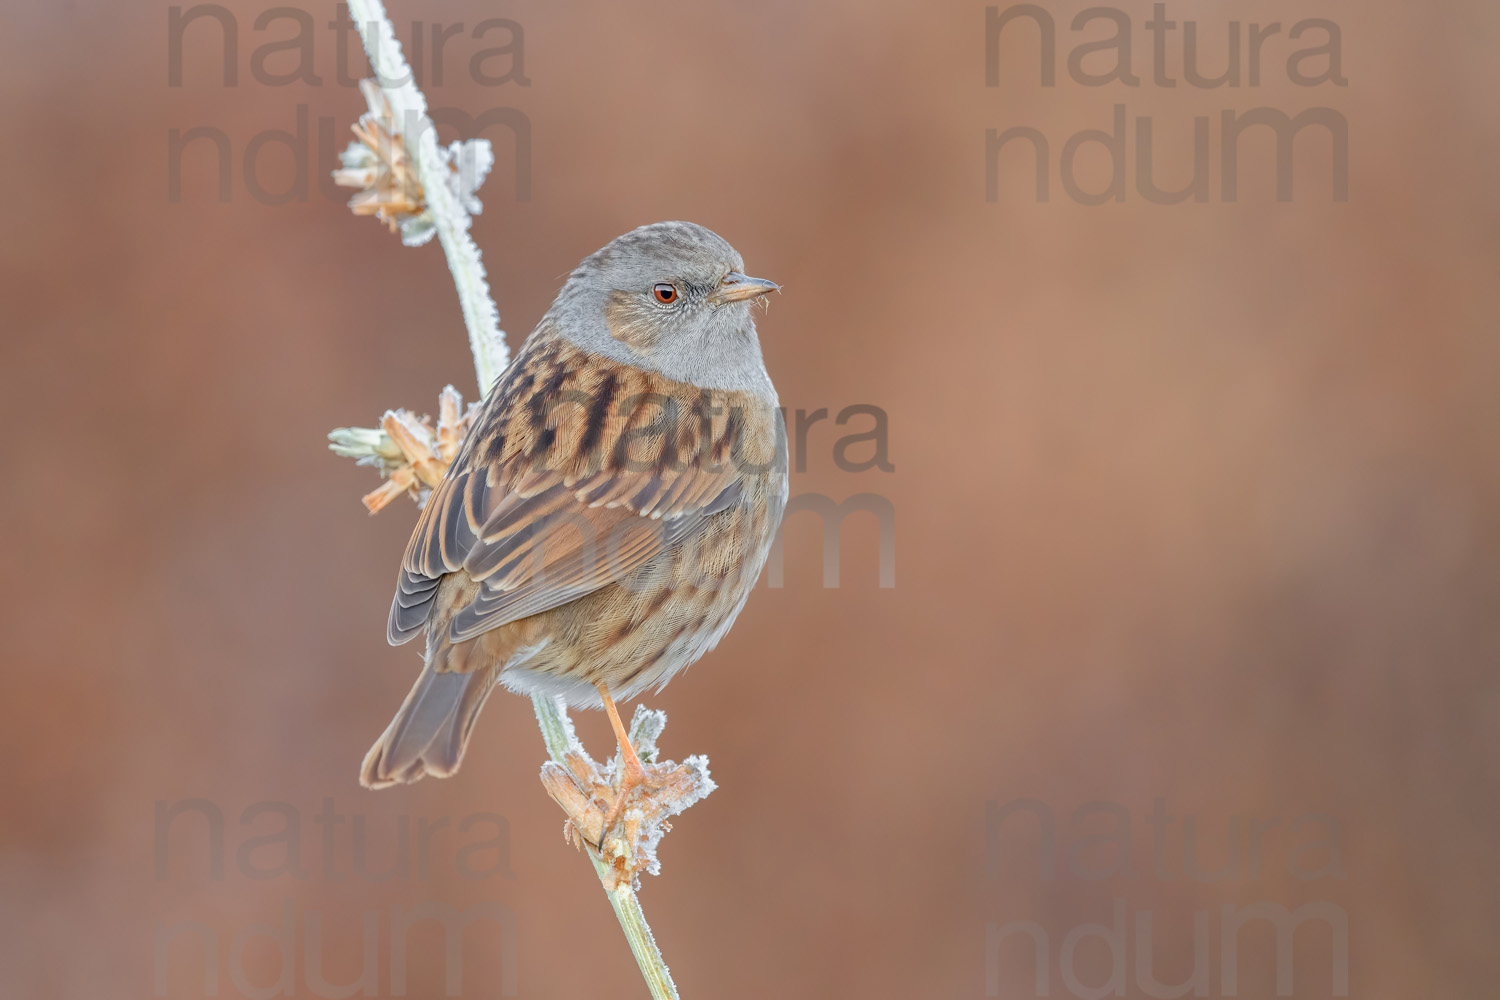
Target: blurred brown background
{"type": "Point", "coordinates": [1193, 503]}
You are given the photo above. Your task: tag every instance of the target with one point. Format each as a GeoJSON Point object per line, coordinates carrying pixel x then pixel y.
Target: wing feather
{"type": "Point", "coordinates": [540, 505]}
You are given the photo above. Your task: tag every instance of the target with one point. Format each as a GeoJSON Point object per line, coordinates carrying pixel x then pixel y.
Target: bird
{"type": "Point", "coordinates": [609, 509]}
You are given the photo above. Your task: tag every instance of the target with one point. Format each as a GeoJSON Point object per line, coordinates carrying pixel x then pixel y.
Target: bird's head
{"type": "Point", "coordinates": [672, 296]}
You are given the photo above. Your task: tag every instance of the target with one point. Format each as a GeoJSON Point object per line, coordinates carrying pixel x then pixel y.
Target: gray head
{"type": "Point", "coordinates": [672, 297]}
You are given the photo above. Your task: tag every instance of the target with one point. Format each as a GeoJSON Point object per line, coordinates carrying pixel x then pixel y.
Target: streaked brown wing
{"type": "Point", "coordinates": [446, 531]}
{"type": "Point", "coordinates": [544, 512]}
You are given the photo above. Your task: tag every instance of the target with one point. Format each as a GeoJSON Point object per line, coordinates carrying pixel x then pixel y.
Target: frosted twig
{"type": "Point", "coordinates": [557, 731]}
{"type": "Point", "coordinates": [587, 792]}
{"type": "Point", "coordinates": [421, 189]}
{"type": "Point", "coordinates": [450, 217]}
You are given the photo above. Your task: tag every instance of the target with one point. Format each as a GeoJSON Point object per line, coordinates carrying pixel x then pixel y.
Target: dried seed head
{"type": "Point", "coordinates": [379, 165]}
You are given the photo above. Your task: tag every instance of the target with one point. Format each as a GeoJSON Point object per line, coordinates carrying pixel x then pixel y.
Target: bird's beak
{"type": "Point", "coordinates": [737, 287]}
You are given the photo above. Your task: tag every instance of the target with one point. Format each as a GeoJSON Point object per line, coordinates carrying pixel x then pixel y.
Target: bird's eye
{"type": "Point", "coordinates": [665, 292]}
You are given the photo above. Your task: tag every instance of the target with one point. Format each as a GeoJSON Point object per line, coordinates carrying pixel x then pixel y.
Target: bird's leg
{"type": "Point", "coordinates": [632, 772]}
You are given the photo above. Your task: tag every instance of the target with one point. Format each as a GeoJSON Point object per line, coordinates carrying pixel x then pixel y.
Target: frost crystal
{"type": "Point", "coordinates": [468, 162]}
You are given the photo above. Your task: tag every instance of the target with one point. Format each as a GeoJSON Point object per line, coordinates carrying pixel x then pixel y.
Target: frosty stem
{"type": "Point", "coordinates": [409, 110]}
{"type": "Point", "coordinates": [557, 731]}
{"type": "Point", "coordinates": [482, 319]}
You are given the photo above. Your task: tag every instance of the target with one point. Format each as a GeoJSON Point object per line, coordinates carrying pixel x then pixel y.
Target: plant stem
{"type": "Point", "coordinates": [409, 110]}
{"type": "Point", "coordinates": [487, 341]}
{"type": "Point", "coordinates": [557, 732]}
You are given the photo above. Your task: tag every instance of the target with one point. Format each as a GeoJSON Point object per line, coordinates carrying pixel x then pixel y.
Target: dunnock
{"type": "Point", "coordinates": [610, 508]}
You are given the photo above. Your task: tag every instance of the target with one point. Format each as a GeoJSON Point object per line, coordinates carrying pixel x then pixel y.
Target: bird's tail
{"type": "Point", "coordinates": [431, 730]}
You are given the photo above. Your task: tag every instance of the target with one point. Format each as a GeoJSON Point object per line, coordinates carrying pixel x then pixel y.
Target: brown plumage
{"type": "Point", "coordinates": [610, 508]}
